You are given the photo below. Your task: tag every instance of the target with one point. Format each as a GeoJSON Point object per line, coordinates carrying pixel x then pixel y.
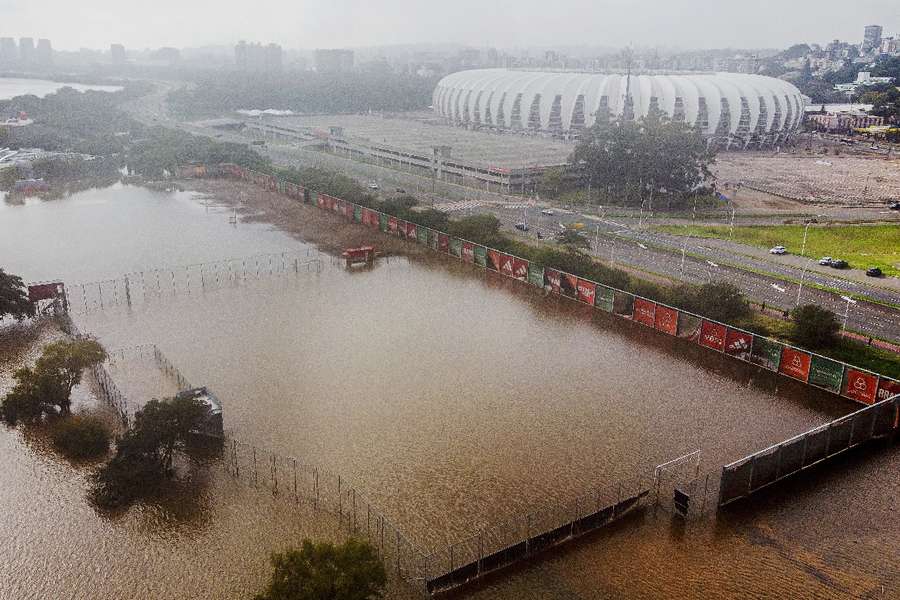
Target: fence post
{"type": "Point", "coordinates": [296, 498]}
{"type": "Point", "coordinates": [398, 552]}
{"type": "Point", "coordinates": [255, 473]}
{"type": "Point", "coordinates": [274, 475]}
{"type": "Point", "coordinates": [316, 505]}
{"type": "Point", "coordinates": [340, 501]}
{"type": "Point", "coordinates": [127, 291]}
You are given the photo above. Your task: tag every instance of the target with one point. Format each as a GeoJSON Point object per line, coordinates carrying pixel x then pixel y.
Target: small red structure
{"type": "Point", "coordinates": [363, 254]}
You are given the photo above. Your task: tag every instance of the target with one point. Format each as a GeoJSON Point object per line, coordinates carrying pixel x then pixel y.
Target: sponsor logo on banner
{"type": "Point", "coordinates": [795, 363]}
{"type": "Point", "coordinates": [826, 373]}
{"type": "Point", "coordinates": [412, 232]}
{"type": "Point", "coordinates": [738, 344]}
{"type": "Point", "coordinates": [886, 389]}
{"type": "Point", "coordinates": [667, 319]}
{"type": "Point", "coordinates": [860, 386]}
{"type": "Point", "coordinates": [765, 353]}
{"type": "Point", "coordinates": [520, 268]}
{"type": "Point", "coordinates": [468, 252]}
{"type": "Point", "coordinates": [553, 279]}
{"type": "Point", "coordinates": [568, 285]}
{"type": "Point", "coordinates": [645, 312]}
{"type": "Point", "coordinates": [481, 256]}
{"type": "Point", "coordinates": [536, 275]}
{"type": "Point", "coordinates": [443, 242]}
{"type": "Point", "coordinates": [587, 291]}
{"type": "Point", "coordinates": [392, 224]}
{"type": "Point", "coordinates": [712, 335]}
{"type": "Point", "coordinates": [493, 259]}
{"type": "Point", "coordinates": [506, 265]}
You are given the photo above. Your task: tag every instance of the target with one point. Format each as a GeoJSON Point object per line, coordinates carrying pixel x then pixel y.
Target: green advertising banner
{"type": "Point", "coordinates": [536, 275]}
{"type": "Point", "coordinates": [456, 247]}
{"type": "Point", "coordinates": [766, 353]}
{"type": "Point", "coordinates": [826, 373]}
{"type": "Point", "coordinates": [357, 213]}
{"type": "Point", "coordinates": [422, 234]}
{"type": "Point", "coordinates": [481, 256]}
{"type": "Point", "coordinates": [605, 298]}
{"type": "Point", "coordinates": [383, 222]}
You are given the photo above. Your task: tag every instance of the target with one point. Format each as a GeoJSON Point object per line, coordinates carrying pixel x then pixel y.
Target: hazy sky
{"type": "Point", "coordinates": [71, 24]}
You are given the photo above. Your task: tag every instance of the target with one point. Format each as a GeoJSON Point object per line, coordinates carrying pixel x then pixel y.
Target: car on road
{"type": "Point", "coordinates": [825, 261]}
{"type": "Point", "coordinates": [400, 191]}
{"type": "Point", "coordinates": [548, 211]}
{"type": "Point", "coordinates": [838, 263]}
{"type": "Point", "coordinates": [778, 250]}
{"type": "Point", "coordinates": [894, 205]}
{"type": "Point", "coordinates": [373, 186]}
{"type": "Point", "coordinates": [873, 272]}
{"type": "Point", "coordinates": [522, 226]}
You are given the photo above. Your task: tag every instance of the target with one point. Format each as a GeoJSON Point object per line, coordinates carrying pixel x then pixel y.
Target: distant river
{"type": "Point", "coordinates": [11, 87]}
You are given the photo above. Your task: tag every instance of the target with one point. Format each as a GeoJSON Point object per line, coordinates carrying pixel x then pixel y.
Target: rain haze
{"type": "Point", "coordinates": [341, 300]}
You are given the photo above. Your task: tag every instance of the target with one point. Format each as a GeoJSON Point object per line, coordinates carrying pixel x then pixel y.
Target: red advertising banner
{"type": "Point", "coordinates": [860, 386]}
{"type": "Point", "coordinates": [886, 389]}
{"type": "Point", "coordinates": [667, 319]}
{"type": "Point", "coordinates": [43, 291]}
{"type": "Point", "coordinates": [493, 259]}
{"type": "Point", "coordinates": [411, 231]}
{"type": "Point", "coordinates": [645, 312]}
{"type": "Point", "coordinates": [392, 225]}
{"type": "Point", "coordinates": [553, 278]}
{"type": "Point", "coordinates": [587, 291]}
{"type": "Point", "coordinates": [568, 285]}
{"type": "Point", "coordinates": [520, 268]}
{"type": "Point", "coordinates": [738, 344]}
{"type": "Point", "coordinates": [348, 210]}
{"type": "Point", "coordinates": [795, 363]}
{"type": "Point", "coordinates": [443, 242]}
{"type": "Point", "coordinates": [468, 252]}
{"type": "Point", "coordinates": [506, 265]}
{"type": "Point", "coordinates": [712, 335]}
{"type": "Point", "coordinates": [401, 228]}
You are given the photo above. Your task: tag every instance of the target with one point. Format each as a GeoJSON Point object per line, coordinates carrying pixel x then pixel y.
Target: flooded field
{"type": "Point", "coordinates": [453, 398]}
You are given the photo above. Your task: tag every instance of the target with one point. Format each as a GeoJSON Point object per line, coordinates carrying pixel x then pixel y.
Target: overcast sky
{"type": "Point", "coordinates": [71, 24]}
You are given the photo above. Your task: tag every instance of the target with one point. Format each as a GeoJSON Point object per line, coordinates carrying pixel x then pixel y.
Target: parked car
{"type": "Point", "coordinates": [522, 226]}
{"type": "Point", "coordinates": [873, 272]}
{"type": "Point", "coordinates": [401, 191]}
{"type": "Point", "coordinates": [838, 263]}
{"type": "Point", "coordinates": [373, 186]}
{"type": "Point", "coordinates": [825, 261]}
{"type": "Point", "coordinates": [894, 205]}
{"type": "Point", "coordinates": [778, 250]}
{"type": "Point", "coordinates": [548, 211]}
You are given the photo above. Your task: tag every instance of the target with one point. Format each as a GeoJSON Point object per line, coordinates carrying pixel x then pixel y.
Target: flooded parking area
{"type": "Point", "coordinates": [454, 398]}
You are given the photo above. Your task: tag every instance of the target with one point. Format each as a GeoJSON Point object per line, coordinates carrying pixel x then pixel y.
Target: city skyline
{"type": "Point", "coordinates": [317, 24]}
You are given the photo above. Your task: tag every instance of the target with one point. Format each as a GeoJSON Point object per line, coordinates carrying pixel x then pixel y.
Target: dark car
{"type": "Point", "coordinates": [838, 263]}
{"type": "Point", "coordinates": [522, 226]}
{"type": "Point", "coordinates": [873, 272]}
{"type": "Point", "coordinates": [894, 205]}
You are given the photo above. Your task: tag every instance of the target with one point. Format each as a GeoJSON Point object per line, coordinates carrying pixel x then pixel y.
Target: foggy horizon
{"type": "Point", "coordinates": [314, 24]}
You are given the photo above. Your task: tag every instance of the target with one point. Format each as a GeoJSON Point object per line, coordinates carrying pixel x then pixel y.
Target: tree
{"type": "Point", "coordinates": [814, 327]}
{"type": "Point", "coordinates": [719, 301]}
{"type": "Point", "coordinates": [81, 436]}
{"type": "Point", "coordinates": [47, 387]}
{"type": "Point", "coordinates": [483, 229]}
{"type": "Point", "coordinates": [572, 241]}
{"type": "Point", "coordinates": [324, 571]}
{"type": "Point", "coordinates": [551, 181]}
{"type": "Point", "coordinates": [14, 297]}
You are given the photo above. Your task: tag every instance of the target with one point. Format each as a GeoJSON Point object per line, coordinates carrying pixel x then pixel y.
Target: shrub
{"type": "Point", "coordinates": [80, 436]}
{"type": "Point", "coordinates": [814, 327]}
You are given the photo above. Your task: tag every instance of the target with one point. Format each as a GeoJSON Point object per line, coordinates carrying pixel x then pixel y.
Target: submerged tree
{"type": "Point", "coordinates": [814, 327]}
{"type": "Point", "coordinates": [14, 297]}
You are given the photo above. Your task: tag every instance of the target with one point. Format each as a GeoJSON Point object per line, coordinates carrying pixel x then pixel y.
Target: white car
{"type": "Point", "coordinates": [778, 250]}
{"type": "Point", "coordinates": [825, 261]}
{"type": "Point", "coordinates": [373, 186]}
{"type": "Point", "coordinates": [548, 211]}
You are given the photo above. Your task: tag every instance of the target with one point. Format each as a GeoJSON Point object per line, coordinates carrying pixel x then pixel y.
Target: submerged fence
{"type": "Point", "coordinates": [141, 287]}
{"type": "Point", "coordinates": [751, 474]}
{"type": "Point", "coordinates": [853, 383]}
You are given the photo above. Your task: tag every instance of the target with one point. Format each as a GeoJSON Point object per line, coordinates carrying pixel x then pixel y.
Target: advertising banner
{"type": "Point", "coordinates": [392, 225]}
{"type": "Point", "coordinates": [357, 213]}
{"type": "Point", "coordinates": [765, 353]}
{"type": "Point", "coordinates": [320, 200]}
{"type": "Point", "coordinates": [423, 235]}
{"type": "Point", "coordinates": [434, 239]}
{"type": "Point", "coordinates": [493, 259]}
{"type": "Point", "coordinates": [536, 275]}
{"type": "Point", "coordinates": [443, 242]}
{"type": "Point", "coordinates": [348, 210]}
{"type": "Point", "coordinates": [645, 312]}
{"type": "Point", "coordinates": [667, 319]}
{"type": "Point", "coordinates": [568, 285]}
{"type": "Point", "coordinates": [712, 335]}
{"type": "Point", "coordinates": [553, 279]}
{"type": "Point", "coordinates": [456, 247]}
{"type": "Point", "coordinates": [383, 222]}
{"type": "Point", "coordinates": [43, 291]}
{"type": "Point", "coordinates": [412, 232]}
{"type": "Point", "coordinates": [401, 228]}
{"type": "Point", "coordinates": [604, 298]}
{"type": "Point", "coordinates": [826, 373]}
{"type": "Point", "coordinates": [860, 386]}
{"type": "Point", "coordinates": [520, 268]}
{"type": "Point", "coordinates": [887, 388]}
{"type": "Point", "coordinates": [481, 256]}
{"type": "Point", "coordinates": [506, 264]}
{"type": "Point", "coordinates": [587, 291]}
{"type": "Point", "coordinates": [738, 344]}
{"type": "Point", "coordinates": [689, 327]}
{"type": "Point", "coordinates": [468, 252]}
{"type": "Point", "coordinates": [795, 363]}
{"type": "Point", "coordinates": [623, 304]}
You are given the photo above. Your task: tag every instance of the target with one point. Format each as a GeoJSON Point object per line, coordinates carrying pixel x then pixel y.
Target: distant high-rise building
{"type": "Point", "coordinates": [26, 50]}
{"type": "Point", "coordinates": [333, 60]}
{"type": "Point", "coordinates": [44, 53]}
{"type": "Point", "coordinates": [258, 58]}
{"type": "Point", "coordinates": [117, 54]}
{"type": "Point", "coordinates": [172, 56]}
{"type": "Point", "coordinates": [273, 60]}
{"type": "Point", "coordinates": [8, 50]}
{"type": "Point", "coordinates": [871, 38]}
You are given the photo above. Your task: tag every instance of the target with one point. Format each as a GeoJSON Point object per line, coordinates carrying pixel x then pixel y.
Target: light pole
{"type": "Point", "coordinates": [803, 255]}
{"type": "Point", "coordinates": [849, 301]}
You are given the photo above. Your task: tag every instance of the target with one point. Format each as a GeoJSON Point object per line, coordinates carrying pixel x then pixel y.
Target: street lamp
{"type": "Point", "coordinates": [849, 301]}
{"type": "Point", "coordinates": [803, 255]}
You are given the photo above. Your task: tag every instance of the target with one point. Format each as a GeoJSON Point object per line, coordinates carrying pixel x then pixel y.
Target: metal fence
{"type": "Point", "coordinates": [141, 287]}
{"type": "Point", "coordinates": [750, 474]}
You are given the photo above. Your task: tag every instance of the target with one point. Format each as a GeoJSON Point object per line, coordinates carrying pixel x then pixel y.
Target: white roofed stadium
{"type": "Point", "coordinates": [732, 110]}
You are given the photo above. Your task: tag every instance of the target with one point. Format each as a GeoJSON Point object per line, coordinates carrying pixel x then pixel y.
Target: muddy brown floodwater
{"type": "Point", "coordinates": [453, 398]}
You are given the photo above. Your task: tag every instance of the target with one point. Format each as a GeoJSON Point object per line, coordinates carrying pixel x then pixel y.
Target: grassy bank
{"type": "Point", "coordinates": [863, 246]}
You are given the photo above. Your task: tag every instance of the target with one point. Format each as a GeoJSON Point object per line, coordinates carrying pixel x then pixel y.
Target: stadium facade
{"type": "Point", "coordinates": [732, 110]}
